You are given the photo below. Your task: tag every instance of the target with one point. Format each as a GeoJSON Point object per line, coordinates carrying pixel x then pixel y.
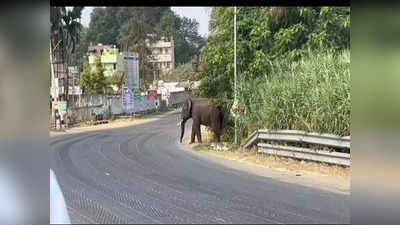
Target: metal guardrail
{"type": "Point", "coordinates": [337, 158]}
{"type": "Point", "coordinates": [298, 136]}
{"type": "Point", "coordinates": [330, 140]}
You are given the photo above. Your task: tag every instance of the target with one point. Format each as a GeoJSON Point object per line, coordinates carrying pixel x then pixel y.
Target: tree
{"type": "Point", "coordinates": [133, 32]}
{"type": "Point", "coordinates": [184, 31]}
{"type": "Point", "coordinates": [116, 79]}
{"type": "Point", "coordinates": [126, 26]}
{"type": "Point", "coordinates": [265, 35]}
{"type": "Point", "coordinates": [72, 28]}
{"type": "Point", "coordinates": [168, 25]}
{"type": "Point", "coordinates": [183, 72]}
{"type": "Point", "coordinates": [64, 36]}
{"type": "Point", "coordinates": [86, 78]}
{"type": "Point", "coordinates": [99, 27]}
{"type": "Point", "coordinates": [93, 81]}
{"type": "Point", "coordinates": [136, 28]}
{"type": "Point", "coordinates": [147, 70]}
{"type": "Point", "coordinates": [106, 23]}
{"type": "Point", "coordinates": [189, 42]}
{"type": "Point", "coordinates": [83, 46]}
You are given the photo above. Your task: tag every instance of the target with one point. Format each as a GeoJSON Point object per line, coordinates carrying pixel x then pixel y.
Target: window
{"type": "Point", "coordinates": [114, 66]}
{"type": "Point", "coordinates": [76, 83]}
{"type": "Point", "coordinates": [166, 50]}
{"type": "Point", "coordinates": [168, 65]}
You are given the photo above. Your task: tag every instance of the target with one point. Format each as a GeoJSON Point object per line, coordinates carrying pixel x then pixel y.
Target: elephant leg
{"type": "Point", "coordinates": [199, 134]}
{"type": "Point", "coordinates": [193, 134]}
{"type": "Point", "coordinates": [195, 131]}
{"type": "Point", "coordinates": [217, 134]}
{"type": "Point", "coordinates": [218, 137]}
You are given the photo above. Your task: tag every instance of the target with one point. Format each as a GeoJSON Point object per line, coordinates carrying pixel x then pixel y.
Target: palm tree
{"type": "Point", "coordinates": [56, 31]}
{"type": "Point", "coordinates": [72, 28]}
{"type": "Point", "coordinates": [65, 29]}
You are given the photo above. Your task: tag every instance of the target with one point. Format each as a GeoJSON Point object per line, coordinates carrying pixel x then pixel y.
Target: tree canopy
{"type": "Point", "coordinates": [127, 26]}
{"type": "Point", "coordinates": [130, 27]}
{"type": "Point", "coordinates": [265, 34]}
{"type": "Point", "coordinates": [65, 31]}
{"type": "Point", "coordinates": [93, 81]}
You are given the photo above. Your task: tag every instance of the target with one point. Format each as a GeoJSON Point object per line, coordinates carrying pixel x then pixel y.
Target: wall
{"type": "Point", "coordinates": [84, 108]}
{"type": "Point", "coordinates": [176, 99]}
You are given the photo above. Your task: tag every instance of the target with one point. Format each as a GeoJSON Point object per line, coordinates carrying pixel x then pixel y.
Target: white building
{"type": "Point", "coordinates": [59, 79]}
{"type": "Point", "coordinates": [163, 54]}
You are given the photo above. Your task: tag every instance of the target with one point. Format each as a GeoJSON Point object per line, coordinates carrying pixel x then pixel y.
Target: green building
{"type": "Point", "coordinates": [109, 56]}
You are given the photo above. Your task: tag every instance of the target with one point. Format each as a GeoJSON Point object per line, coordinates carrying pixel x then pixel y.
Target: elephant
{"type": "Point", "coordinates": [202, 113]}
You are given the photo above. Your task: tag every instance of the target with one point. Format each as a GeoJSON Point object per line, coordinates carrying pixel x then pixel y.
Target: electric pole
{"type": "Point", "coordinates": [234, 69]}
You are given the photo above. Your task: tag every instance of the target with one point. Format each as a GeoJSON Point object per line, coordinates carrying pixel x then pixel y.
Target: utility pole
{"type": "Point", "coordinates": [234, 69]}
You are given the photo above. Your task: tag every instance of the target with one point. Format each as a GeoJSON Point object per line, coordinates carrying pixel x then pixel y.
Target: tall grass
{"type": "Point", "coordinates": [312, 94]}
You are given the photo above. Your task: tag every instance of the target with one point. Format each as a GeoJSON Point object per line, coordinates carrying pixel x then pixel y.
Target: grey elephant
{"type": "Point", "coordinates": [202, 113]}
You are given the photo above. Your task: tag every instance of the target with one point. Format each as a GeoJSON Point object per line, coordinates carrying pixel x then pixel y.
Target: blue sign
{"type": "Point", "coordinates": [127, 98]}
{"type": "Point", "coordinates": [98, 111]}
{"type": "Point", "coordinates": [62, 107]}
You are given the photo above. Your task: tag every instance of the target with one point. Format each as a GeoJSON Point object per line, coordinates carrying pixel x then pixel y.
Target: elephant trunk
{"type": "Point", "coordinates": [182, 128]}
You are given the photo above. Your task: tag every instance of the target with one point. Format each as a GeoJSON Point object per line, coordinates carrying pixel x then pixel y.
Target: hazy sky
{"type": "Point", "coordinates": [201, 14]}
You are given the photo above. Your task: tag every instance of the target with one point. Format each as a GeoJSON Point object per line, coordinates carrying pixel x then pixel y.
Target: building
{"type": "Point", "coordinates": [114, 61]}
{"type": "Point", "coordinates": [59, 82]}
{"type": "Point", "coordinates": [163, 54]}
{"type": "Point", "coordinates": [74, 89]}
{"type": "Point", "coordinates": [109, 57]}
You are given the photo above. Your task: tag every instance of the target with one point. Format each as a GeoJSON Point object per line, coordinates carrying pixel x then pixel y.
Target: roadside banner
{"type": "Point", "coordinates": [62, 107]}
{"type": "Point", "coordinates": [127, 98]}
{"type": "Point", "coordinates": [98, 110]}
{"type": "Point", "coordinates": [137, 95]}
{"type": "Point", "coordinates": [152, 94]}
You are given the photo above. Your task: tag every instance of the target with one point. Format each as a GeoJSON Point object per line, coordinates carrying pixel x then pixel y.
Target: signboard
{"type": "Point", "coordinates": [131, 69]}
{"type": "Point", "coordinates": [98, 111]}
{"type": "Point", "coordinates": [127, 98]}
{"type": "Point", "coordinates": [152, 94]}
{"type": "Point", "coordinates": [62, 107]}
{"type": "Point", "coordinates": [137, 95]}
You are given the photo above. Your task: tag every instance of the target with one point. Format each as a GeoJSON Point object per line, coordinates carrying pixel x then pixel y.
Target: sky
{"type": "Point", "coordinates": [200, 14]}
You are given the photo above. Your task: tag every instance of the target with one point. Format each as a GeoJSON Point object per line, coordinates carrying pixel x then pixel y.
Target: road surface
{"type": "Point", "coordinates": [140, 174]}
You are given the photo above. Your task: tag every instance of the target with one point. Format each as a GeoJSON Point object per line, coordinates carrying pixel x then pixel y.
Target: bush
{"type": "Point", "coordinates": [183, 72]}
{"type": "Point", "coordinates": [312, 94]}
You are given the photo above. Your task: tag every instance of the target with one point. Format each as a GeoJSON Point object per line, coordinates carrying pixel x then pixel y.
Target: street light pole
{"type": "Point", "coordinates": [234, 68]}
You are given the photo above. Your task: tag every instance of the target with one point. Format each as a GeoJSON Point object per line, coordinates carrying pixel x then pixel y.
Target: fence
{"type": "Point", "coordinates": [176, 99]}
{"type": "Point", "coordinates": [294, 136]}
{"type": "Point", "coordinates": [86, 108]}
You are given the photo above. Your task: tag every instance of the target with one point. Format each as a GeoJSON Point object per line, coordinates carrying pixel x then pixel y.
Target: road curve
{"type": "Point", "coordinates": [140, 175]}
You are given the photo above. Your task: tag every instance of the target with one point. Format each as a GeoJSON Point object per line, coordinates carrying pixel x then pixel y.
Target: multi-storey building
{"type": "Point", "coordinates": [109, 56]}
{"type": "Point", "coordinates": [163, 54]}
{"type": "Point", "coordinates": [114, 61]}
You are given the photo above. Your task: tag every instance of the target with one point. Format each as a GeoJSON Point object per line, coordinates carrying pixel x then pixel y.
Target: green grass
{"type": "Point", "coordinates": [57, 130]}
{"type": "Point", "coordinates": [202, 147]}
{"type": "Point", "coordinates": [312, 94]}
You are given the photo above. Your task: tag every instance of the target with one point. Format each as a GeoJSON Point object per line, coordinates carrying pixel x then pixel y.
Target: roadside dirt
{"type": "Point", "coordinates": [117, 123]}
{"type": "Point", "coordinates": [313, 174]}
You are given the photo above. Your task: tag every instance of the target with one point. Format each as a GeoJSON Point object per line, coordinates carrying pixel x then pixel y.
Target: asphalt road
{"type": "Point", "coordinates": [140, 174]}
